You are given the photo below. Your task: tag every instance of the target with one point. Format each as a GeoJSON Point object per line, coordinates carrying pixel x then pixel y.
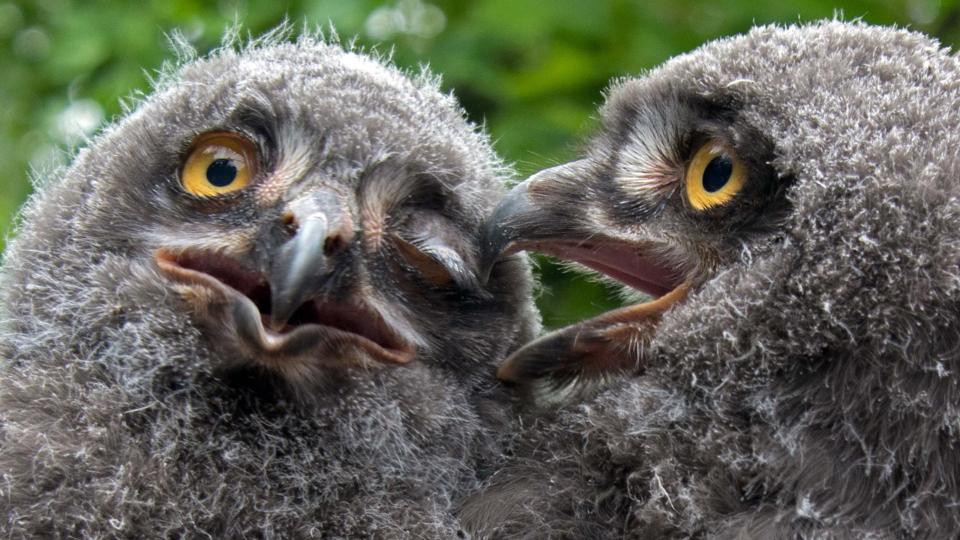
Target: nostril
{"type": "Point", "coordinates": [333, 244]}
{"type": "Point", "coordinates": [289, 221]}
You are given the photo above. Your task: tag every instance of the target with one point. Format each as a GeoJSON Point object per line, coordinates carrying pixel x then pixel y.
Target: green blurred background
{"type": "Point", "coordinates": [531, 70]}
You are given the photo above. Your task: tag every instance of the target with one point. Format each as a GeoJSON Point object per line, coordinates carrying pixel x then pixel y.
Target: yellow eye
{"type": "Point", "coordinates": [714, 176]}
{"type": "Point", "coordinates": [219, 162]}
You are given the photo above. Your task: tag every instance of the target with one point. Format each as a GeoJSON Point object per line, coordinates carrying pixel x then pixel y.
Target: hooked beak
{"type": "Point", "coordinates": [298, 272]}
{"type": "Point", "coordinates": [552, 213]}
{"type": "Point", "coordinates": [538, 210]}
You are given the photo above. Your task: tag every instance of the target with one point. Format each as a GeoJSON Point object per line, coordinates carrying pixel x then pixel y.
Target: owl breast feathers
{"type": "Point", "coordinates": [250, 307]}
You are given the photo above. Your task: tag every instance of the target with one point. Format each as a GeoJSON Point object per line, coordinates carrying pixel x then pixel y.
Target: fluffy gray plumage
{"type": "Point", "coordinates": [809, 385]}
{"type": "Point", "coordinates": [142, 402]}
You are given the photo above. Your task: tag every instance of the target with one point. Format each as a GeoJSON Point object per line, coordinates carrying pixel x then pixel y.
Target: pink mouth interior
{"type": "Point", "coordinates": [351, 318]}
{"type": "Point", "coordinates": [346, 317]}
{"type": "Point", "coordinates": [624, 262]}
{"type": "Point", "coordinates": [231, 273]}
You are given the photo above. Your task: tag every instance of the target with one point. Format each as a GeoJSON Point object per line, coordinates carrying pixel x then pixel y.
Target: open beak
{"type": "Point", "coordinates": [550, 213]}
{"type": "Point", "coordinates": [286, 315]}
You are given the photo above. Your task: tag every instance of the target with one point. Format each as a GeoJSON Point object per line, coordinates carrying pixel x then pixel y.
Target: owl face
{"type": "Point", "coordinates": [672, 190]}
{"type": "Point", "coordinates": [310, 209]}
{"type": "Point", "coordinates": [745, 167]}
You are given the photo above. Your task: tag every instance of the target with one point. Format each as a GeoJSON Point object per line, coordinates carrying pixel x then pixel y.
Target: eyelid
{"type": "Point", "coordinates": [429, 192]}
{"type": "Point", "coordinates": [223, 152]}
{"type": "Point", "coordinates": [436, 262]}
{"type": "Point", "coordinates": [429, 268]}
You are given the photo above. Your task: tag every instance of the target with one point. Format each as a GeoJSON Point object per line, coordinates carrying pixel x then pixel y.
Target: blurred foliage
{"type": "Point", "coordinates": [532, 71]}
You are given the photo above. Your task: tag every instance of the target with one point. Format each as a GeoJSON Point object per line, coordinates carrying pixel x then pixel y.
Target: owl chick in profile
{"type": "Point", "coordinates": [250, 308]}
{"type": "Point", "coordinates": [791, 199]}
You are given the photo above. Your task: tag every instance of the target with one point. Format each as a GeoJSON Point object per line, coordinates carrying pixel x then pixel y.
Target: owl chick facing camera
{"type": "Point", "coordinates": [250, 307]}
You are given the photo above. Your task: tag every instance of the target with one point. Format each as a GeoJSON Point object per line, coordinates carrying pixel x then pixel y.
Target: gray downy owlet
{"type": "Point", "coordinates": [250, 308]}
{"type": "Point", "coordinates": [791, 199]}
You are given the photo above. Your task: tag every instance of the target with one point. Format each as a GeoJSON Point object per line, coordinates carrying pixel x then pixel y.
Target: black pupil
{"type": "Point", "coordinates": [717, 173]}
{"type": "Point", "coordinates": [222, 172]}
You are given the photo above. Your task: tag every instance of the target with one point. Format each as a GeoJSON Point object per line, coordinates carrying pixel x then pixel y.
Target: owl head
{"type": "Point", "coordinates": [294, 210]}
{"type": "Point", "coordinates": [776, 194]}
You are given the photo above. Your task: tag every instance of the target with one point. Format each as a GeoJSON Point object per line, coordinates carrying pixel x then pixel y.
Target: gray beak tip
{"type": "Point", "coordinates": [298, 271]}
{"type": "Point", "coordinates": [280, 313]}
{"type": "Point", "coordinates": [501, 229]}
{"type": "Point", "coordinates": [533, 210]}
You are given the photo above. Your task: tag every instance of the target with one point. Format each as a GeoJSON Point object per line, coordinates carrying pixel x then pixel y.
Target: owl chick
{"type": "Point", "coordinates": [250, 308]}
{"type": "Point", "coordinates": [791, 199]}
